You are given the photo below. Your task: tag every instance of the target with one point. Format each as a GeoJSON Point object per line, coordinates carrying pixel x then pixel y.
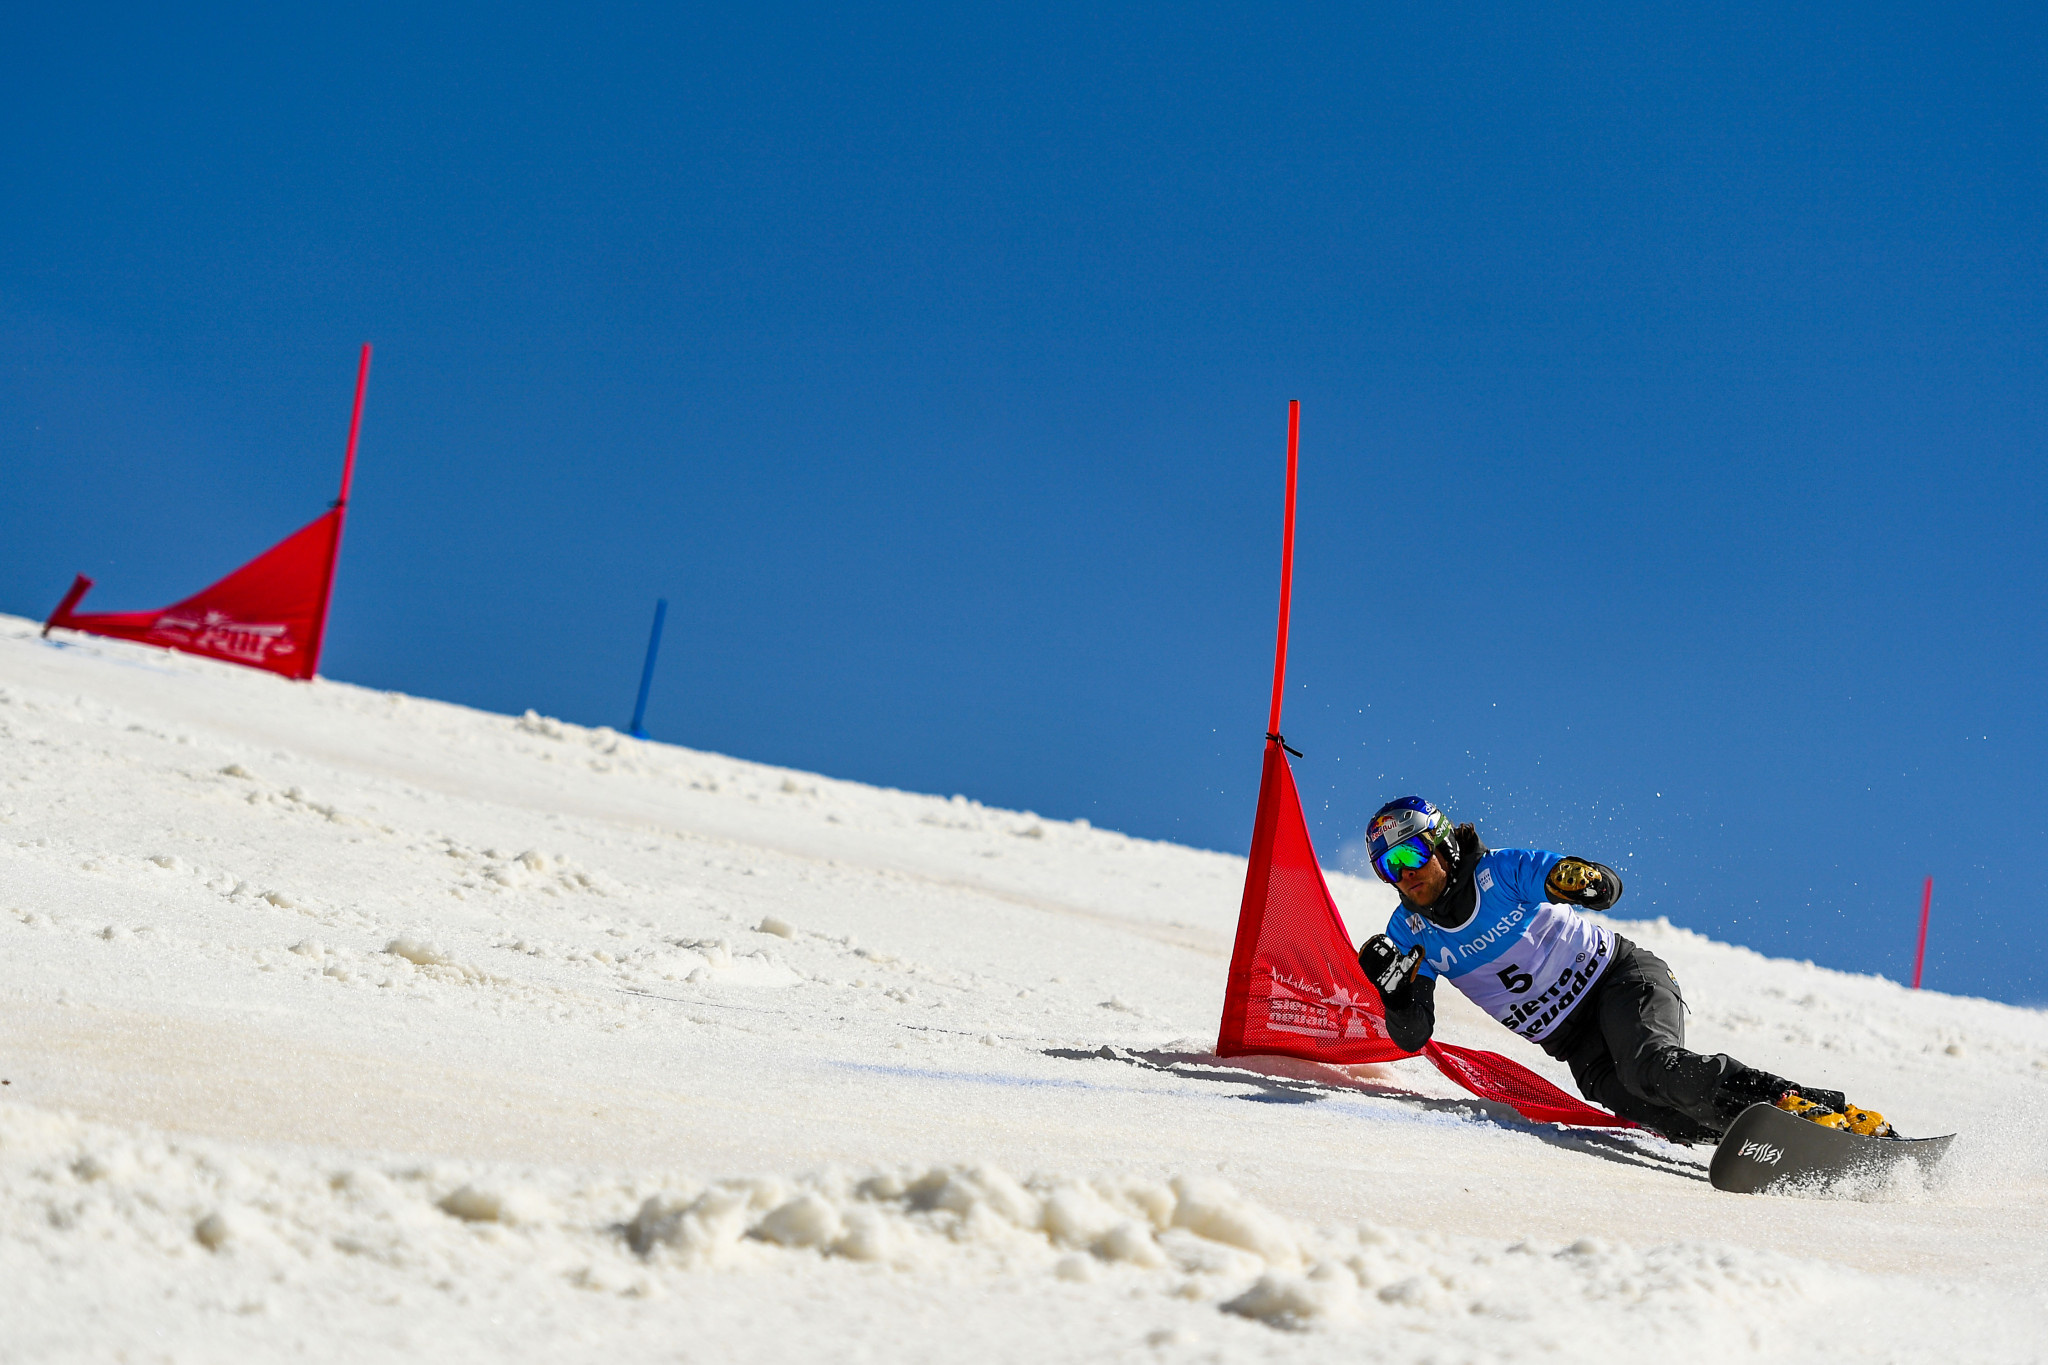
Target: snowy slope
{"type": "Point", "coordinates": [340, 1024]}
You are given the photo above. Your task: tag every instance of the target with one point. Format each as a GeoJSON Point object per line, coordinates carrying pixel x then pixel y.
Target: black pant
{"type": "Point", "coordinates": [1625, 1044]}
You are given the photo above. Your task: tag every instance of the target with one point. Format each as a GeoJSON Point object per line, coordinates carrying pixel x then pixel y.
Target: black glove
{"type": "Point", "coordinates": [1387, 967]}
{"type": "Point", "coordinates": [1576, 881]}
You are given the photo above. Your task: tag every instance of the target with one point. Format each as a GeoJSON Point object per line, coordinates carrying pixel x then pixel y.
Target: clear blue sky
{"type": "Point", "coordinates": [1673, 388]}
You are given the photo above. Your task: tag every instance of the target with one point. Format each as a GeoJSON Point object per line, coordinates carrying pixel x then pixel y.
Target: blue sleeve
{"type": "Point", "coordinates": [1524, 871]}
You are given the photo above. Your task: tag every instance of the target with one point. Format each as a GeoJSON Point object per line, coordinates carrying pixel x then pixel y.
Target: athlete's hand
{"type": "Point", "coordinates": [1386, 966]}
{"type": "Point", "coordinates": [1579, 882]}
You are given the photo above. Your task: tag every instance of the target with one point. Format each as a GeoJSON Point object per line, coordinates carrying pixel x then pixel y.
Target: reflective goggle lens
{"type": "Point", "coordinates": [1405, 856]}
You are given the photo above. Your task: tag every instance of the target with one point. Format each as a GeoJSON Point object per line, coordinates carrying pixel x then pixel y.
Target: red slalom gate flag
{"type": "Point", "coordinates": [270, 614]}
{"type": "Point", "coordinates": [1295, 987]}
{"type": "Point", "coordinates": [266, 614]}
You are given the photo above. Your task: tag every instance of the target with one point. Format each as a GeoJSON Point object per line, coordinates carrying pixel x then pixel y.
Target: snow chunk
{"type": "Point", "coordinates": [474, 1204]}
{"type": "Point", "coordinates": [1131, 1244]}
{"type": "Point", "coordinates": [700, 1229]}
{"type": "Point", "coordinates": [1294, 1302]}
{"type": "Point", "coordinates": [213, 1231]}
{"type": "Point", "coordinates": [866, 1238]}
{"type": "Point", "coordinates": [1212, 1210]}
{"type": "Point", "coordinates": [418, 951]}
{"type": "Point", "coordinates": [534, 723]}
{"type": "Point", "coordinates": [977, 1195]}
{"type": "Point", "coordinates": [805, 1221]}
{"type": "Point", "coordinates": [1077, 1216]}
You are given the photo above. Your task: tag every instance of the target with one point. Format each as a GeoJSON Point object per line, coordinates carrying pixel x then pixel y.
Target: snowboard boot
{"type": "Point", "coordinates": [1743, 1086]}
{"type": "Point", "coordinates": [1826, 1099]}
{"type": "Point", "coordinates": [1867, 1123]}
{"type": "Point", "coordinates": [1792, 1102]}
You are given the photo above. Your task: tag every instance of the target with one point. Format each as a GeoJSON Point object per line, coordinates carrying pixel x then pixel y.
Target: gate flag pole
{"type": "Point", "coordinates": [638, 729]}
{"type": "Point", "coordinates": [348, 473]}
{"type": "Point", "coordinates": [1926, 904]}
{"type": "Point", "coordinates": [1286, 573]}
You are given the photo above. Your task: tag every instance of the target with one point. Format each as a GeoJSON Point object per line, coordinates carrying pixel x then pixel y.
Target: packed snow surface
{"type": "Point", "coordinates": [341, 1025]}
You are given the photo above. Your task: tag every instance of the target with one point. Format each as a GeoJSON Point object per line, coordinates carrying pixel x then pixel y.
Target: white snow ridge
{"type": "Point", "coordinates": [340, 1025]}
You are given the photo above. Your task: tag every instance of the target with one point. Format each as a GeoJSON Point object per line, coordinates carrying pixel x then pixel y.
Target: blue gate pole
{"type": "Point", "coordinates": [639, 726]}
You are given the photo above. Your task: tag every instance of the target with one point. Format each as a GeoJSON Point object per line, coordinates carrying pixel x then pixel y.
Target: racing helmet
{"type": "Point", "coordinates": [1406, 833]}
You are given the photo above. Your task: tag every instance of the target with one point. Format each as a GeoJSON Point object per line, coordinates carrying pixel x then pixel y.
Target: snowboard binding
{"type": "Point", "coordinates": [1847, 1117]}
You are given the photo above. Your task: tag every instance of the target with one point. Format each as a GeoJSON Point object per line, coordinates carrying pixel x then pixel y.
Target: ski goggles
{"type": "Point", "coordinates": [1405, 856]}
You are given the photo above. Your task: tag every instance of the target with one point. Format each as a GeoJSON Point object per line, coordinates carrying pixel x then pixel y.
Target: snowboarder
{"type": "Point", "coordinates": [1501, 925]}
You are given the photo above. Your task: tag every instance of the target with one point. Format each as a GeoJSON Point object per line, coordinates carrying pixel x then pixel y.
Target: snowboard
{"type": "Point", "coordinates": [1768, 1150]}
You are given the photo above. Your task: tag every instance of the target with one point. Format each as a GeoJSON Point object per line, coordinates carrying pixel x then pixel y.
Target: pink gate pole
{"type": "Point", "coordinates": [1286, 572]}
{"type": "Point", "coordinates": [348, 474]}
{"type": "Point", "coordinates": [1926, 904]}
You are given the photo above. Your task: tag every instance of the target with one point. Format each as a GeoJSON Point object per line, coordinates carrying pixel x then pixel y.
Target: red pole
{"type": "Point", "coordinates": [1286, 569]}
{"type": "Point", "coordinates": [355, 429]}
{"type": "Point", "coordinates": [62, 616]}
{"type": "Point", "coordinates": [348, 474]}
{"type": "Point", "coordinates": [1926, 904]}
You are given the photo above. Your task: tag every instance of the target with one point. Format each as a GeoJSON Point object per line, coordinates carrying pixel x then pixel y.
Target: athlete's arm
{"type": "Point", "coordinates": [1407, 994]}
{"type": "Point", "coordinates": [1411, 1014]}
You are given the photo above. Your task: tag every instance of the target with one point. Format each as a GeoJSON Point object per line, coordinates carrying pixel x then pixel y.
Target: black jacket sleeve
{"type": "Point", "coordinates": [1411, 1013]}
